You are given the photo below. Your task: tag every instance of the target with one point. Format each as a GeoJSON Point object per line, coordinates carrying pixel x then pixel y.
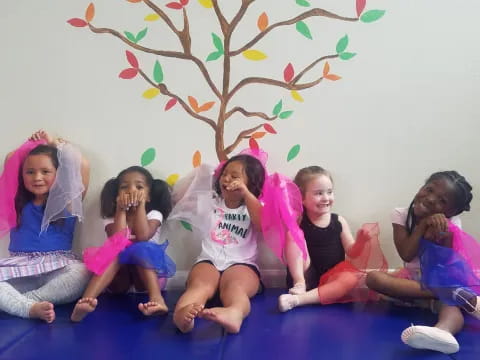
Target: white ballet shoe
{"type": "Point", "coordinates": [297, 289]}
{"type": "Point", "coordinates": [430, 338]}
{"type": "Point", "coordinates": [287, 302]}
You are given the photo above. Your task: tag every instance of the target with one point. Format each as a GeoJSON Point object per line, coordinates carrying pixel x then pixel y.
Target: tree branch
{"type": "Point", "coordinates": [163, 15]}
{"type": "Point", "coordinates": [223, 22]}
{"type": "Point", "coordinates": [305, 15]}
{"type": "Point", "coordinates": [240, 14]}
{"type": "Point", "coordinates": [311, 66]}
{"type": "Point", "coordinates": [249, 114]}
{"type": "Point", "coordinates": [243, 135]}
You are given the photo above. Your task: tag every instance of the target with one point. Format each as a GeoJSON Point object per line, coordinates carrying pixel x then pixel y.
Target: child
{"type": "Point", "coordinates": [136, 201]}
{"type": "Point", "coordinates": [229, 221]}
{"type": "Point", "coordinates": [444, 196]}
{"type": "Point", "coordinates": [325, 273]}
{"type": "Point", "coordinates": [42, 187]}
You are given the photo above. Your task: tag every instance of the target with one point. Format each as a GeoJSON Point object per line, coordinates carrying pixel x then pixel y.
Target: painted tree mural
{"type": "Point", "coordinates": [222, 94]}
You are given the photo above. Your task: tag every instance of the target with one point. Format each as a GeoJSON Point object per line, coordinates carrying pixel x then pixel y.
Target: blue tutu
{"type": "Point", "coordinates": [149, 255]}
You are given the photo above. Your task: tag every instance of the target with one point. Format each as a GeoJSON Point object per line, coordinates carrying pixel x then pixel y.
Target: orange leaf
{"type": "Point", "coordinates": [262, 21]}
{"type": "Point", "coordinates": [332, 77]}
{"type": "Point", "coordinates": [197, 159]}
{"type": "Point", "coordinates": [134, 1]}
{"type": "Point", "coordinates": [193, 103]}
{"type": "Point", "coordinates": [258, 135]}
{"type": "Point", "coordinates": [326, 69]}
{"type": "Point", "coordinates": [90, 12]}
{"type": "Point", "coordinates": [207, 106]}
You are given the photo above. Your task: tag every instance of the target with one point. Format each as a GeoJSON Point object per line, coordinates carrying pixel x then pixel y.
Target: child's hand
{"type": "Point", "coordinates": [41, 135]}
{"type": "Point", "coordinates": [237, 185]}
{"type": "Point", "coordinates": [437, 222]}
{"type": "Point", "coordinates": [128, 200]}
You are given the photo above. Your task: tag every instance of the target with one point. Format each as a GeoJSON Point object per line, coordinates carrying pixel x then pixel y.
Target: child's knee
{"type": "Point", "coordinates": [374, 279]}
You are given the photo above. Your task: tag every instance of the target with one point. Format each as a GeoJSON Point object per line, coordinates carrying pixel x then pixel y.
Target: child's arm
{"type": "Point", "coordinates": [143, 228]}
{"type": "Point", "coordinates": [119, 220]}
{"type": "Point", "coordinates": [348, 241]}
{"type": "Point", "coordinates": [254, 207]}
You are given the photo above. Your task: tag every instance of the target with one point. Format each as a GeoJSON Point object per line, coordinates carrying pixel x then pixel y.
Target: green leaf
{"type": "Point", "coordinates": [130, 36]}
{"type": "Point", "coordinates": [141, 35]}
{"type": "Point", "coordinates": [277, 108]}
{"type": "Point", "coordinates": [346, 55]}
{"type": "Point", "coordinates": [217, 42]}
{"type": "Point", "coordinates": [285, 114]}
{"type": "Point", "coordinates": [293, 152]}
{"type": "Point", "coordinates": [214, 55]}
{"type": "Point", "coordinates": [342, 44]}
{"type": "Point", "coordinates": [371, 16]}
{"type": "Point", "coordinates": [158, 72]}
{"type": "Point", "coordinates": [304, 3]}
{"type": "Point", "coordinates": [148, 156]}
{"type": "Point", "coordinates": [186, 225]}
{"type": "Point", "coordinates": [303, 29]}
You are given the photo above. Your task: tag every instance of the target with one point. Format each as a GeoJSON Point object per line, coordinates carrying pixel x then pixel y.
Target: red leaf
{"type": "Point", "coordinates": [129, 73]}
{"type": "Point", "coordinates": [253, 144]}
{"type": "Point", "coordinates": [184, 2]}
{"type": "Point", "coordinates": [171, 103]}
{"type": "Point", "coordinates": [360, 6]}
{"type": "Point", "coordinates": [77, 22]}
{"type": "Point", "coordinates": [288, 73]}
{"type": "Point", "coordinates": [132, 60]}
{"type": "Point", "coordinates": [174, 5]}
{"type": "Point", "coordinates": [269, 128]}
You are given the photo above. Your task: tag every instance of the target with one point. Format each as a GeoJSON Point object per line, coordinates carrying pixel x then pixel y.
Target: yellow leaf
{"type": "Point", "coordinates": [196, 159]}
{"type": "Point", "coordinates": [206, 3]}
{"type": "Point", "coordinates": [296, 96]}
{"type": "Point", "coordinates": [254, 55]}
{"type": "Point", "coordinates": [150, 93]}
{"type": "Point", "coordinates": [172, 179]}
{"type": "Point", "coordinates": [152, 17]}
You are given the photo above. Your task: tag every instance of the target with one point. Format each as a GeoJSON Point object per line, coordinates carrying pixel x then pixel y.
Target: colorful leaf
{"type": "Point", "coordinates": [174, 5]}
{"type": "Point", "coordinates": [77, 22]}
{"type": "Point", "coordinates": [206, 3]}
{"type": "Point", "coordinates": [303, 3]}
{"type": "Point", "coordinates": [184, 2]}
{"type": "Point", "coordinates": [196, 159]}
{"type": "Point", "coordinates": [258, 134]}
{"type": "Point", "coordinates": [303, 29]}
{"type": "Point", "coordinates": [170, 103]}
{"type": "Point", "coordinates": [150, 93]}
{"type": "Point", "coordinates": [332, 77]}
{"type": "Point", "coordinates": [129, 73]}
{"type": "Point", "coordinates": [296, 96]}
{"type": "Point", "coordinates": [342, 44]}
{"type": "Point", "coordinates": [90, 12]}
{"type": "Point", "coordinates": [152, 17]}
{"type": "Point", "coordinates": [214, 56]}
{"type": "Point", "coordinates": [193, 103]}
{"type": "Point", "coordinates": [186, 225]}
{"type": "Point", "coordinates": [254, 55]}
{"type": "Point", "coordinates": [141, 35]}
{"type": "Point", "coordinates": [130, 36]}
{"type": "Point", "coordinates": [360, 6]}
{"type": "Point", "coordinates": [346, 55]}
{"type": "Point", "coordinates": [148, 156]}
{"type": "Point", "coordinates": [285, 114]}
{"type": "Point", "coordinates": [134, 1]}
{"type": "Point", "coordinates": [172, 179]}
{"type": "Point", "coordinates": [158, 72]}
{"type": "Point", "coordinates": [253, 144]}
{"type": "Point", "coordinates": [207, 106]}
{"type": "Point", "coordinates": [371, 16]}
{"type": "Point", "coordinates": [262, 21]}
{"type": "Point", "coordinates": [326, 69]}
{"type": "Point", "coordinates": [288, 73]}
{"type": "Point", "coordinates": [293, 152]}
{"type": "Point", "coordinates": [132, 60]}
{"type": "Point", "coordinates": [269, 128]}
{"type": "Point", "coordinates": [277, 108]}
{"type": "Point", "coordinates": [217, 42]}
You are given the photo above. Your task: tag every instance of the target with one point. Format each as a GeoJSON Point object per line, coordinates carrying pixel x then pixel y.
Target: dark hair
{"type": "Point", "coordinates": [305, 174]}
{"type": "Point", "coordinates": [462, 195]}
{"type": "Point", "coordinates": [160, 198]}
{"type": "Point", "coordinates": [253, 169]}
{"type": "Point", "coordinates": [23, 195]}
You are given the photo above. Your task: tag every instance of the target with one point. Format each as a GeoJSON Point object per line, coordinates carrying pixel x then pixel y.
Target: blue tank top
{"type": "Point", "coordinates": [27, 237]}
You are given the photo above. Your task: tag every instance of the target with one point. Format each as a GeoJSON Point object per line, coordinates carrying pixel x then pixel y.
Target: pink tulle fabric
{"type": "Point", "coordinates": [97, 259]}
{"type": "Point", "coordinates": [345, 282]}
{"type": "Point", "coordinates": [9, 185]}
{"type": "Point", "coordinates": [466, 246]}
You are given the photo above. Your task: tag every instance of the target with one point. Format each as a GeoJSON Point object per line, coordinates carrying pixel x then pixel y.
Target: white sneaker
{"type": "Point", "coordinates": [463, 297]}
{"type": "Point", "coordinates": [297, 289]}
{"type": "Point", "coordinates": [287, 302]}
{"type": "Point", "coordinates": [430, 338]}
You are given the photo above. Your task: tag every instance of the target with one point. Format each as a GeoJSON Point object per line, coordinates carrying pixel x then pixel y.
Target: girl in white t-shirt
{"type": "Point", "coordinates": [134, 206]}
{"type": "Point", "coordinates": [445, 195]}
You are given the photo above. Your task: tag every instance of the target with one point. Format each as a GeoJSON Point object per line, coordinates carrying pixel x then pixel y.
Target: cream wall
{"type": "Point", "coordinates": [403, 109]}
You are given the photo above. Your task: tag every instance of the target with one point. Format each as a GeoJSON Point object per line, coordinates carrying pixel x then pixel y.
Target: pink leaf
{"type": "Point", "coordinates": [288, 73]}
{"type": "Point", "coordinates": [77, 22]}
{"type": "Point", "coordinates": [171, 103]}
{"type": "Point", "coordinates": [129, 73]}
{"type": "Point", "coordinates": [132, 60]}
{"type": "Point", "coordinates": [253, 144]}
{"type": "Point", "coordinates": [184, 2]}
{"type": "Point", "coordinates": [174, 5]}
{"type": "Point", "coordinates": [269, 128]}
{"type": "Point", "coordinates": [360, 6]}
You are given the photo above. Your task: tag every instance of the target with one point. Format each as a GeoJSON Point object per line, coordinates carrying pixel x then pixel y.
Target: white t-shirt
{"type": "Point", "coordinates": [232, 238]}
{"type": "Point", "coordinates": [152, 215]}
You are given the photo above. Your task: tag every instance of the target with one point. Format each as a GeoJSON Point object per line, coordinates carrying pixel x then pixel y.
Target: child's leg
{"type": "Point", "coordinates": [202, 284]}
{"type": "Point", "coordinates": [396, 287]}
{"type": "Point", "coordinates": [296, 265]}
{"type": "Point", "coordinates": [14, 303]}
{"type": "Point", "coordinates": [237, 285]}
{"type": "Point", "coordinates": [155, 305]}
{"type": "Point", "coordinates": [97, 284]}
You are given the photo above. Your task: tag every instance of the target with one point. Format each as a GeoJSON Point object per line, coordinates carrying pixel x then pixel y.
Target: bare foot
{"type": "Point", "coordinates": [184, 318]}
{"type": "Point", "coordinates": [43, 311]}
{"type": "Point", "coordinates": [230, 318]}
{"type": "Point", "coordinates": [153, 307]}
{"type": "Point", "coordinates": [83, 308]}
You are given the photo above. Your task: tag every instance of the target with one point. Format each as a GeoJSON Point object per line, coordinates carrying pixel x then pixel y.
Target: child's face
{"type": "Point", "coordinates": [435, 197]}
{"type": "Point", "coordinates": [38, 174]}
{"type": "Point", "coordinates": [318, 198]}
{"type": "Point", "coordinates": [134, 181]}
{"type": "Point", "coordinates": [233, 171]}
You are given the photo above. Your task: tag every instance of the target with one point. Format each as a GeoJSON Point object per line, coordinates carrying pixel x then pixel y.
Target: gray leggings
{"type": "Point", "coordinates": [58, 287]}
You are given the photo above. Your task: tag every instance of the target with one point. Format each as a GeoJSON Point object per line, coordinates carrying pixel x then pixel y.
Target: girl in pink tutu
{"type": "Point", "coordinates": [335, 268]}
{"type": "Point", "coordinates": [423, 235]}
{"type": "Point", "coordinates": [134, 205]}
{"type": "Point", "coordinates": [41, 191]}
